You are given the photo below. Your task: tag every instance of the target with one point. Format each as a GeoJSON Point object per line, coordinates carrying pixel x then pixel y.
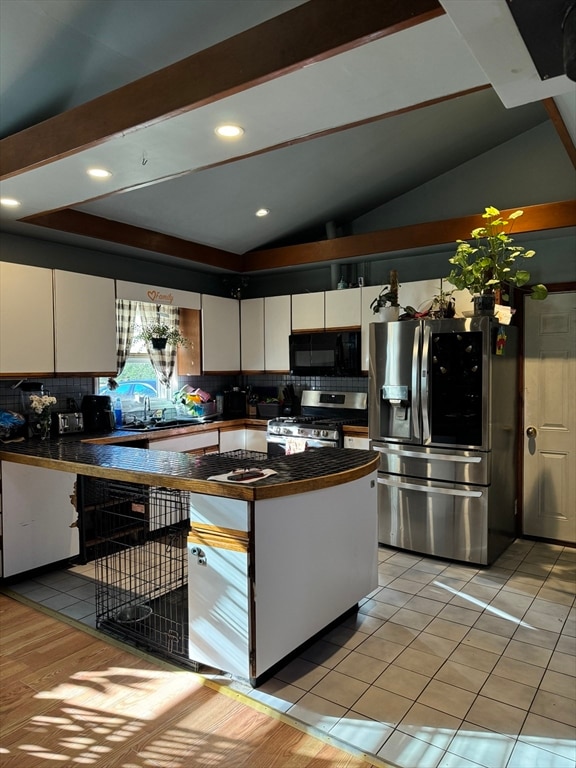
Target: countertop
{"type": "Point", "coordinates": [124, 436]}
{"type": "Point", "coordinates": [97, 457]}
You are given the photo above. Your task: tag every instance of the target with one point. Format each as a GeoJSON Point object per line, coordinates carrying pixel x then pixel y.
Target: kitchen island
{"type": "Point", "coordinates": [271, 563]}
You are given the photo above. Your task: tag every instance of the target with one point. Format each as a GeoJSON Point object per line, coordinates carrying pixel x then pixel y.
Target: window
{"type": "Point", "coordinates": [138, 379]}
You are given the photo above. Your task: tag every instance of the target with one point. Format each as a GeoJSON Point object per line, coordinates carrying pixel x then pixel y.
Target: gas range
{"type": "Point", "coordinates": [324, 414]}
{"type": "Point", "coordinates": [300, 426]}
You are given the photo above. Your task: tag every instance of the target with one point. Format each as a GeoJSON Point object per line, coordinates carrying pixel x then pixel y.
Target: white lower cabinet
{"type": "Point", "coordinates": [240, 439]}
{"type": "Point", "coordinates": [37, 513]}
{"type": "Point", "coordinates": [256, 440]}
{"type": "Point", "coordinates": [187, 443]}
{"type": "Point", "coordinates": [358, 443]}
{"type": "Point", "coordinates": [232, 440]}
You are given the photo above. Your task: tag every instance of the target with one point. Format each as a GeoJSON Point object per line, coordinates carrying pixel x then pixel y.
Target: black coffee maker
{"type": "Point", "coordinates": [234, 404]}
{"type": "Point", "coordinates": [98, 413]}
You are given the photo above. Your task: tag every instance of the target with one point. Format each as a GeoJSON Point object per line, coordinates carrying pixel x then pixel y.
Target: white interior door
{"type": "Point", "coordinates": [550, 418]}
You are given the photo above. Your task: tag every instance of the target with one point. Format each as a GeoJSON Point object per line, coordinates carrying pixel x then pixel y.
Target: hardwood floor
{"type": "Point", "coordinates": [69, 697]}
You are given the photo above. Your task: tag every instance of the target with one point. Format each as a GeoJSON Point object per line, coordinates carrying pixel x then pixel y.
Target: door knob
{"type": "Point", "coordinates": [531, 432]}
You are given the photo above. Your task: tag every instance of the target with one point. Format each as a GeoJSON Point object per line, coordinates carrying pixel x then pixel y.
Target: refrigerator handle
{"type": "Point", "coordinates": [424, 390]}
{"type": "Point", "coordinates": [427, 489]}
{"type": "Point", "coordinates": [416, 384]}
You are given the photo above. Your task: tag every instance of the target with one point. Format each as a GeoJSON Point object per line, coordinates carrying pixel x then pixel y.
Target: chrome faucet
{"type": "Point", "coordinates": [146, 406]}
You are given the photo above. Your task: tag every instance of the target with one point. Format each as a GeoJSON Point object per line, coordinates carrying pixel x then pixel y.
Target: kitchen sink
{"type": "Point", "coordinates": [157, 425]}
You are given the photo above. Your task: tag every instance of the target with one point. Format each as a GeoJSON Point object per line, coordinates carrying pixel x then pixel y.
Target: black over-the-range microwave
{"type": "Point", "coordinates": [325, 353]}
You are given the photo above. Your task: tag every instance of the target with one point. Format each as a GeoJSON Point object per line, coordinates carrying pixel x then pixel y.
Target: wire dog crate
{"type": "Point", "coordinates": [141, 565]}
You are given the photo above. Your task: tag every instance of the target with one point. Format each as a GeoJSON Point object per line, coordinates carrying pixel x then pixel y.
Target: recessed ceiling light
{"type": "Point", "coordinates": [9, 202]}
{"type": "Point", "coordinates": [262, 212]}
{"type": "Point", "coordinates": [229, 131]}
{"type": "Point", "coordinates": [99, 173]}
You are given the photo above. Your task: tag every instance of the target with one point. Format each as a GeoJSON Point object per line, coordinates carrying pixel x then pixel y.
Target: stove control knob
{"type": "Point", "coordinates": [286, 431]}
{"type": "Point", "coordinates": [316, 433]}
{"type": "Point", "coordinates": [324, 433]}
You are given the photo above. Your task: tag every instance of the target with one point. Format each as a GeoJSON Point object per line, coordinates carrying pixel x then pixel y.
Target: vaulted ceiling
{"type": "Point", "coordinates": [344, 106]}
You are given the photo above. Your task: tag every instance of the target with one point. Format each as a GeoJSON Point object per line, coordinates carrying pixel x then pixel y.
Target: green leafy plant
{"type": "Point", "coordinates": [443, 303]}
{"type": "Point", "coordinates": [163, 331]}
{"type": "Point", "coordinates": [489, 263]}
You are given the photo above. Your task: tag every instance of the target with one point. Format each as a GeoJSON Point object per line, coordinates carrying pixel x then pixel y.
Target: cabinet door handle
{"type": "Point", "coordinates": [531, 432]}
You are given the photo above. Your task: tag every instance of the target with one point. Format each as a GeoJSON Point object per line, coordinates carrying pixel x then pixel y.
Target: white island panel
{"type": "Point", "coordinates": [316, 556]}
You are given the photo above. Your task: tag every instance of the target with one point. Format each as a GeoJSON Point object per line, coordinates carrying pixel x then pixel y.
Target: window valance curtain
{"type": "Point", "coordinates": [163, 360]}
{"type": "Point", "coordinates": [125, 314]}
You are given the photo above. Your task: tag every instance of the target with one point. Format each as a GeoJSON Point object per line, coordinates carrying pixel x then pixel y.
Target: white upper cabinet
{"type": "Point", "coordinates": [277, 324]}
{"type": "Point", "coordinates": [26, 320]}
{"type": "Point", "coordinates": [343, 309]}
{"type": "Point", "coordinates": [84, 324]}
{"type": "Point", "coordinates": [157, 295]}
{"type": "Point", "coordinates": [418, 294]}
{"type": "Point", "coordinates": [220, 334]}
{"type": "Point", "coordinates": [308, 311]}
{"type": "Point", "coordinates": [252, 334]}
{"type": "Point", "coordinates": [464, 300]}
{"type": "Point", "coordinates": [327, 309]}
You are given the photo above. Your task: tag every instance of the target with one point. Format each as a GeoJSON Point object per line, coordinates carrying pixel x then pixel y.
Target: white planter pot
{"type": "Point", "coordinates": [387, 314]}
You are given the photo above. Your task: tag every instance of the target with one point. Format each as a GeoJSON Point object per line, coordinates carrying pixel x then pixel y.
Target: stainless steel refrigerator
{"type": "Point", "coordinates": [442, 415]}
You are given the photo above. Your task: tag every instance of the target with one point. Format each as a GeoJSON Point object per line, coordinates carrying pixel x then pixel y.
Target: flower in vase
{"type": "Point", "coordinates": [42, 407]}
{"type": "Point", "coordinates": [42, 403]}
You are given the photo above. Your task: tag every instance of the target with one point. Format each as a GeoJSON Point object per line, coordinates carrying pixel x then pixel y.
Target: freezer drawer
{"type": "Point", "coordinates": [444, 464]}
{"type": "Point", "coordinates": [441, 519]}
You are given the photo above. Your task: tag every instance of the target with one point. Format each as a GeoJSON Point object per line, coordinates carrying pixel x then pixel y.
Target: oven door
{"type": "Point", "coordinates": [281, 445]}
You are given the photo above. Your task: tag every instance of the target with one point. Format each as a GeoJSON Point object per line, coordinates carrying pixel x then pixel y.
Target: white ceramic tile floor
{"type": "Point", "coordinates": [445, 665]}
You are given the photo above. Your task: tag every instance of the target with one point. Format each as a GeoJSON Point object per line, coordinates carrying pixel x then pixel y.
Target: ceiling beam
{"type": "Point", "coordinates": [561, 129]}
{"type": "Point", "coordinates": [308, 33]}
{"type": "Point", "coordinates": [535, 218]}
{"type": "Point", "coordinates": [87, 225]}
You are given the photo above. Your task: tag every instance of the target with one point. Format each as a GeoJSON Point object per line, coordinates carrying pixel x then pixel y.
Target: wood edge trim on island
{"type": "Point", "coordinates": [206, 487]}
{"type": "Point", "coordinates": [221, 538]}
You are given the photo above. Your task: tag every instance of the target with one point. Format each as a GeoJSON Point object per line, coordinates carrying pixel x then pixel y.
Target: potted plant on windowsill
{"type": "Point", "coordinates": [386, 303]}
{"type": "Point", "coordinates": [161, 334]}
{"type": "Point", "coordinates": [489, 264]}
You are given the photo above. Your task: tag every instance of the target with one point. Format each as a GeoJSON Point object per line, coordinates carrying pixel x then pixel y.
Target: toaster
{"type": "Point", "coordinates": [68, 423]}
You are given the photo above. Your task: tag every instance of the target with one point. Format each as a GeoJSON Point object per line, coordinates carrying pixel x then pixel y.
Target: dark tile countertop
{"type": "Point", "coordinates": [298, 473]}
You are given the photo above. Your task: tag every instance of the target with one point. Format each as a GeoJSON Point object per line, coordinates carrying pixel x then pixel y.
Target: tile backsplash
{"type": "Point", "coordinates": [70, 391]}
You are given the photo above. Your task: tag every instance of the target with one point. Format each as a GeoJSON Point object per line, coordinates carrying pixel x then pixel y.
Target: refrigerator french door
{"type": "Point", "coordinates": [442, 415]}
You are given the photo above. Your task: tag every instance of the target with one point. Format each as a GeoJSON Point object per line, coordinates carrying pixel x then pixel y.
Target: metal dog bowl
{"type": "Point", "coordinates": [132, 614]}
